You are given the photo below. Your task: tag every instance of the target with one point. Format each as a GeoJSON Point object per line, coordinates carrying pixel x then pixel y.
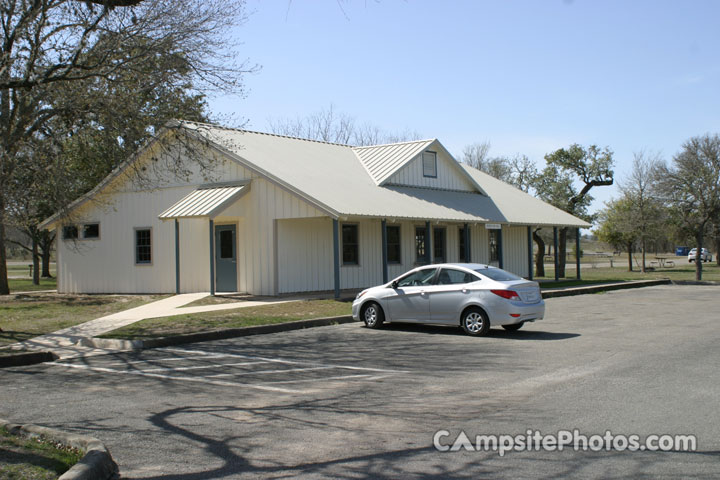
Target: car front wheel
{"type": "Point", "coordinates": [475, 322]}
{"type": "Point", "coordinates": [513, 327]}
{"type": "Point", "coordinates": [373, 315]}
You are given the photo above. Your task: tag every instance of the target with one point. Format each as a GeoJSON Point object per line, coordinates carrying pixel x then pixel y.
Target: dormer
{"type": "Point", "coordinates": [421, 164]}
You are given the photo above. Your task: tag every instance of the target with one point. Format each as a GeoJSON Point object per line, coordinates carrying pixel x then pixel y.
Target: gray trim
{"type": "Point", "coordinates": [152, 255]}
{"type": "Point", "coordinates": [428, 243]}
{"type": "Point", "coordinates": [577, 252]}
{"type": "Point", "coordinates": [468, 245]}
{"type": "Point", "coordinates": [422, 159]}
{"type": "Point", "coordinates": [501, 254]}
{"type": "Point", "coordinates": [555, 251]}
{"type": "Point", "coordinates": [212, 256]}
{"type": "Point", "coordinates": [276, 266]}
{"type": "Point", "coordinates": [530, 252]}
{"type": "Point", "coordinates": [177, 256]}
{"type": "Point", "coordinates": [342, 240]}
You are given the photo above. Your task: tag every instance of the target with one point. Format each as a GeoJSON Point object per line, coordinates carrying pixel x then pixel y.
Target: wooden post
{"type": "Point", "coordinates": [383, 225]}
{"type": "Point", "coordinates": [212, 257]}
{"type": "Point", "coordinates": [336, 258]}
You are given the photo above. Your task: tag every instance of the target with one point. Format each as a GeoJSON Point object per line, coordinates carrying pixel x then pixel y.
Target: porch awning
{"type": "Point", "coordinates": [205, 201]}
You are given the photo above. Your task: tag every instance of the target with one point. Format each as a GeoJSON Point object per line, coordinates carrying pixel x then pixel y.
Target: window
{"type": "Point", "coordinates": [429, 160]}
{"type": "Point", "coordinates": [419, 278]}
{"type": "Point", "coordinates": [143, 246]}
{"type": "Point", "coordinates": [393, 244]}
{"type": "Point", "coordinates": [450, 276]}
{"type": "Point", "coordinates": [350, 244]}
{"type": "Point", "coordinates": [439, 245]}
{"type": "Point", "coordinates": [70, 232]}
{"type": "Point", "coordinates": [227, 244]}
{"type": "Point", "coordinates": [462, 257]}
{"type": "Point", "coordinates": [420, 245]}
{"type": "Point", "coordinates": [91, 230]}
{"type": "Point", "coordinates": [498, 274]}
{"type": "Point", "coordinates": [493, 237]}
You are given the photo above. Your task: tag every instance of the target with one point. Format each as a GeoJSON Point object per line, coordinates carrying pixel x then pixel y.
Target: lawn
{"type": "Point", "coordinates": [242, 317]}
{"type": "Point", "coordinates": [681, 272]}
{"type": "Point", "coordinates": [33, 459]}
{"type": "Point", "coordinates": [26, 316]}
{"type": "Point", "coordinates": [26, 285]}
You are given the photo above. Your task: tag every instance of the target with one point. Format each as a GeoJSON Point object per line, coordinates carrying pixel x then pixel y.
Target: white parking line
{"type": "Point", "coordinates": [367, 376]}
{"type": "Point", "coordinates": [200, 367]}
{"type": "Point", "coordinates": [173, 359]}
{"type": "Point", "coordinates": [170, 377]}
{"type": "Point", "coordinates": [267, 371]}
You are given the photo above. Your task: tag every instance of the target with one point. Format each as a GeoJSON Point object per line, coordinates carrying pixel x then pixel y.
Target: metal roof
{"type": "Point", "coordinates": [382, 161]}
{"type": "Point", "coordinates": [205, 201]}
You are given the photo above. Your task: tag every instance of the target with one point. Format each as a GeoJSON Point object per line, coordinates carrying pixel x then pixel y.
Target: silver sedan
{"type": "Point", "coordinates": [471, 295]}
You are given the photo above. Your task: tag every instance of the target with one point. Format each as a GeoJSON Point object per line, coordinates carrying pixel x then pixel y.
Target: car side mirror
{"type": "Point", "coordinates": [394, 284]}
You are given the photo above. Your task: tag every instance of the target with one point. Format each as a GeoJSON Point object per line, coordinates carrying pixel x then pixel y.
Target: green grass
{"type": "Point", "coordinates": [242, 317]}
{"type": "Point", "coordinates": [33, 459]}
{"type": "Point", "coordinates": [26, 316]}
{"type": "Point", "coordinates": [26, 285]}
{"type": "Point", "coordinates": [681, 272]}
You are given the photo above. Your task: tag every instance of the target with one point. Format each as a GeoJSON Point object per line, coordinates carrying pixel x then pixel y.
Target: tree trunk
{"type": "Point", "coordinates": [630, 251]}
{"type": "Point", "coordinates": [36, 262]}
{"type": "Point", "coordinates": [4, 285]}
{"type": "Point", "coordinates": [539, 255]}
{"type": "Point", "coordinates": [717, 249]}
{"type": "Point", "coordinates": [46, 244]}
{"type": "Point", "coordinates": [642, 246]}
{"type": "Point", "coordinates": [698, 254]}
{"type": "Point", "coordinates": [562, 252]}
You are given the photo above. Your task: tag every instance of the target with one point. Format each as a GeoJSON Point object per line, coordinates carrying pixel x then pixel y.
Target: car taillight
{"type": "Point", "coordinates": [508, 294]}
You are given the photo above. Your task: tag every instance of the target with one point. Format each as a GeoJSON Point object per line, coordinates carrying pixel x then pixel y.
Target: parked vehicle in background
{"type": "Point", "coordinates": [705, 256]}
{"type": "Point", "coordinates": [471, 295]}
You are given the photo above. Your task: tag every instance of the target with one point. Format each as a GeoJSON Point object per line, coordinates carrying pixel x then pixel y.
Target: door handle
{"type": "Point", "coordinates": [464, 290]}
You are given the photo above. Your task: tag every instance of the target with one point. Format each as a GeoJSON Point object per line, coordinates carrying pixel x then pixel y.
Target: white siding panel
{"type": "Point", "coordinates": [449, 177]}
{"type": "Point", "coordinates": [305, 255]}
{"type": "Point", "coordinates": [515, 251]}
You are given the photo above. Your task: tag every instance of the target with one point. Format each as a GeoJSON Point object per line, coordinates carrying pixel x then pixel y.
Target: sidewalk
{"type": "Point", "coordinates": [65, 343]}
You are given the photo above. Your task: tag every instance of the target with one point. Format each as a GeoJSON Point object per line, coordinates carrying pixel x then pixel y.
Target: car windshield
{"type": "Point", "coordinates": [498, 274]}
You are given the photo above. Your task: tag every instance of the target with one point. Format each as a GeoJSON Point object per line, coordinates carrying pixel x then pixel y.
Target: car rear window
{"type": "Point", "coordinates": [498, 274]}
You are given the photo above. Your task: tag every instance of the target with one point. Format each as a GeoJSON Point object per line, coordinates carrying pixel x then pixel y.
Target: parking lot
{"type": "Point", "coordinates": [348, 402]}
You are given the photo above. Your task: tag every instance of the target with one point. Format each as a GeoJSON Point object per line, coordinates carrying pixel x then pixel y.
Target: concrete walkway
{"type": "Point", "coordinates": [65, 343]}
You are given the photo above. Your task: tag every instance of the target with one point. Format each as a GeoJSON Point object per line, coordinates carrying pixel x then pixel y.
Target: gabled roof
{"type": "Point", "coordinates": [334, 179]}
{"type": "Point", "coordinates": [382, 161]}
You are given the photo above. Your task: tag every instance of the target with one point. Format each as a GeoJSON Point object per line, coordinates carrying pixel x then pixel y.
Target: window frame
{"type": "Point", "coordinates": [424, 260]}
{"type": "Point", "coordinates": [443, 258]}
{"type": "Point", "coordinates": [399, 244]}
{"type": "Point", "coordinates": [474, 276]}
{"type": "Point", "coordinates": [66, 237]}
{"type": "Point", "coordinates": [462, 248]}
{"type": "Point", "coordinates": [135, 243]}
{"type": "Point", "coordinates": [493, 246]}
{"type": "Point", "coordinates": [434, 158]}
{"type": "Point", "coordinates": [83, 231]}
{"type": "Point", "coordinates": [356, 244]}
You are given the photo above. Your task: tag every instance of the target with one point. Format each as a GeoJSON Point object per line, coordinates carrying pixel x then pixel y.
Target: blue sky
{"type": "Point", "coordinates": [527, 76]}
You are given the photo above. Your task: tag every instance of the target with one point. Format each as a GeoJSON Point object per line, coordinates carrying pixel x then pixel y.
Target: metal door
{"type": "Point", "coordinates": [225, 258]}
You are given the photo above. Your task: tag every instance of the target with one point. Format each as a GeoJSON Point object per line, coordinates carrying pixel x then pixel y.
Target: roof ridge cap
{"type": "Point", "coordinates": [243, 130]}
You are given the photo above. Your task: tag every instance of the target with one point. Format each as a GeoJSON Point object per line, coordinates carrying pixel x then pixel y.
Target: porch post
{"type": "Point", "coordinates": [428, 242]}
{"type": "Point", "coordinates": [555, 248]}
{"type": "Point", "coordinates": [466, 233]}
{"type": "Point", "coordinates": [336, 257]}
{"type": "Point", "coordinates": [500, 248]}
{"type": "Point", "coordinates": [577, 251]}
{"type": "Point", "coordinates": [383, 225]}
{"type": "Point", "coordinates": [530, 251]}
{"type": "Point", "coordinates": [212, 257]}
{"type": "Point", "coordinates": [177, 256]}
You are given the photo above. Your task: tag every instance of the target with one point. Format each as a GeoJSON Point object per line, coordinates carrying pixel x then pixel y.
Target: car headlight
{"type": "Point", "coordinates": [361, 294]}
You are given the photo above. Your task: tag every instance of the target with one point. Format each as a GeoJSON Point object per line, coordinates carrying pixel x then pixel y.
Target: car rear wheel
{"type": "Point", "coordinates": [373, 315]}
{"type": "Point", "coordinates": [513, 327]}
{"type": "Point", "coordinates": [475, 322]}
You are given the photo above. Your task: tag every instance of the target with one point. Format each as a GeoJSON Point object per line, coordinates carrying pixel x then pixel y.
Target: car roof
{"type": "Point", "coordinates": [468, 266]}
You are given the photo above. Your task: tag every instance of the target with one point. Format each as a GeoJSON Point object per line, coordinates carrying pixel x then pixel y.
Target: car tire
{"type": "Point", "coordinates": [513, 326]}
{"type": "Point", "coordinates": [372, 315]}
{"type": "Point", "coordinates": [475, 322]}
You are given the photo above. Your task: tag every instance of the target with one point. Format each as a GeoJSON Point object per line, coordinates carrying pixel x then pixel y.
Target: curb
{"type": "Point", "coordinates": [215, 335]}
{"type": "Point", "coordinates": [30, 358]}
{"type": "Point", "coordinates": [96, 464]}
{"type": "Point", "coordinates": [569, 292]}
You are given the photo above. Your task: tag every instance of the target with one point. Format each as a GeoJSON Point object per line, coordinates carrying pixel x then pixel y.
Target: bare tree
{"type": "Point", "coordinates": [691, 187]}
{"type": "Point", "coordinates": [327, 125]}
{"type": "Point", "coordinates": [51, 44]}
{"type": "Point", "coordinates": [640, 193]}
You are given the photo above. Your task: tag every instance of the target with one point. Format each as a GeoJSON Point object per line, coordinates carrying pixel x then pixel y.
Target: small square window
{"type": "Point", "coordinates": [91, 230]}
{"type": "Point", "coordinates": [429, 160]}
{"type": "Point", "coordinates": [143, 246]}
{"type": "Point", "coordinates": [70, 232]}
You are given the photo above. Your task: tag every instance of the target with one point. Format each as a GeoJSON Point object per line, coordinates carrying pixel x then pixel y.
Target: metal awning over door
{"type": "Point", "coordinates": [206, 201]}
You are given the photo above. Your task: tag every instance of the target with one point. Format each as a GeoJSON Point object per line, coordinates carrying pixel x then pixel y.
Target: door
{"type": "Point", "coordinates": [449, 295]}
{"type": "Point", "coordinates": [408, 302]}
{"type": "Point", "coordinates": [225, 258]}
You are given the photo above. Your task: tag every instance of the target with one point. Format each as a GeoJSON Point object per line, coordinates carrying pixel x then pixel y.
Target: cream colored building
{"type": "Point", "coordinates": [278, 215]}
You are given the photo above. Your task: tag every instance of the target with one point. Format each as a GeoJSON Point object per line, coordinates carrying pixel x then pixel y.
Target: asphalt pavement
{"type": "Point", "coordinates": [348, 402]}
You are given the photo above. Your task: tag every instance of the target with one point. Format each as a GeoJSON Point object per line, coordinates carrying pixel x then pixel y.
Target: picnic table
{"type": "Point", "coordinates": [663, 261]}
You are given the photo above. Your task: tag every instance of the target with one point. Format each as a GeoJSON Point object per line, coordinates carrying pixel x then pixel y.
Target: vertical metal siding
{"type": "Point", "coordinates": [448, 177]}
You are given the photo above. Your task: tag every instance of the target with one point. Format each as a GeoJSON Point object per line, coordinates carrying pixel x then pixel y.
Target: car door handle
{"type": "Point", "coordinates": [465, 290]}
{"type": "Point", "coordinates": [423, 292]}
